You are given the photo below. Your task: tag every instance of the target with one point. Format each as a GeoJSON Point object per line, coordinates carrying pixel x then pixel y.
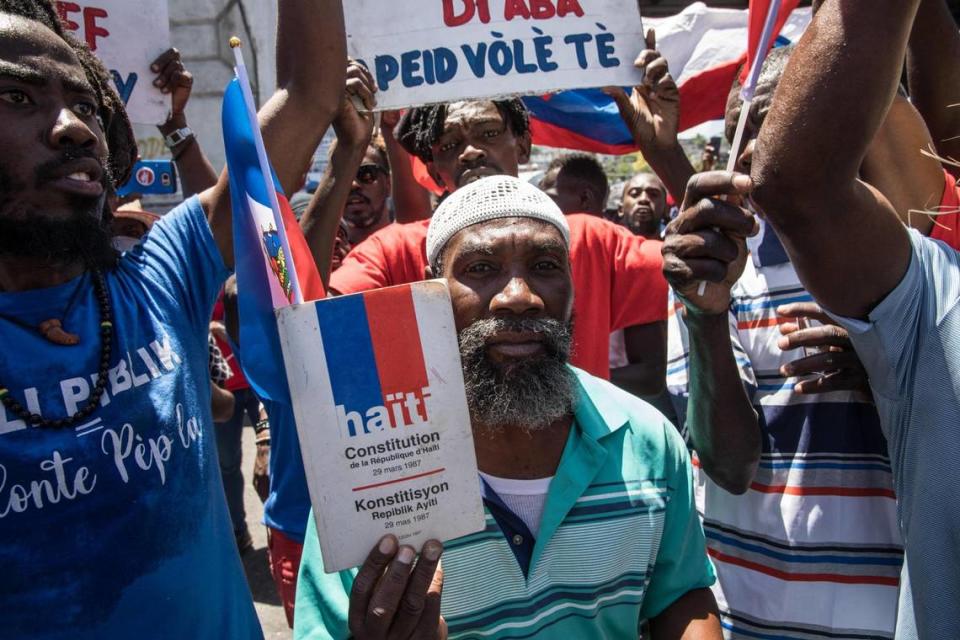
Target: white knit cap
{"type": "Point", "coordinates": [491, 198]}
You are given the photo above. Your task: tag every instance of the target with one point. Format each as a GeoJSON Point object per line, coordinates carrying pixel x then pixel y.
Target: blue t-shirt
{"type": "Point", "coordinates": [118, 528]}
{"type": "Point", "coordinates": [287, 509]}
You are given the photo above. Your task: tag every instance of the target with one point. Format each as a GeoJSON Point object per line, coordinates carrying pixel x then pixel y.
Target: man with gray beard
{"type": "Point", "coordinates": [591, 527]}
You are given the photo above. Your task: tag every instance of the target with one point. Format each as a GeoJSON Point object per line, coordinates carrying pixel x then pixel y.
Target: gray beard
{"type": "Point", "coordinates": [531, 394]}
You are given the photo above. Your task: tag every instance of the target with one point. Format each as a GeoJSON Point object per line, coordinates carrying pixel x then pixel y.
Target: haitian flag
{"type": "Point", "coordinates": [274, 265]}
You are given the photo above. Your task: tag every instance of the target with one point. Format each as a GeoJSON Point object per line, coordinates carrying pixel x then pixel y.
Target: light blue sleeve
{"type": "Point", "coordinates": [323, 599]}
{"type": "Point", "coordinates": [180, 260]}
{"type": "Point", "coordinates": [682, 564]}
{"type": "Point", "coordinates": [888, 342]}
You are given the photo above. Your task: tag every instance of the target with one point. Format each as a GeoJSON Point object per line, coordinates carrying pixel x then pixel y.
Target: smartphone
{"type": "Point", "coordinates": [715, 143]}
{"type": "Point", "coordinates": [151, 177]}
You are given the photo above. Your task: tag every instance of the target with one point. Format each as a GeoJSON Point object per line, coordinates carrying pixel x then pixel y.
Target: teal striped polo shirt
{"type": "Point", "coordinates": [619, 540]}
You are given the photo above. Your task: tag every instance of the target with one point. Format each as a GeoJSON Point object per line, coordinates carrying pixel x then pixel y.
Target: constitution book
{"type": "Point", "coordinates": [377, 392]}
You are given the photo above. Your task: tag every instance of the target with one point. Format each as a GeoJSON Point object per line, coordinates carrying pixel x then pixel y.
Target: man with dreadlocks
{"type": "Point", "coordinates": [616, 275]}
{"type": "Point", "coordinates": [113, 519]}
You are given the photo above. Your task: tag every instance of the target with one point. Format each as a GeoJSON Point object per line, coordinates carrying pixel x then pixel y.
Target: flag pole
{"type": "Point", "coordinates": [241, 72]}
{"type": "Point", "coordinates": [750, 86]}
{"type": "Point", "coordinates": [747, 94]}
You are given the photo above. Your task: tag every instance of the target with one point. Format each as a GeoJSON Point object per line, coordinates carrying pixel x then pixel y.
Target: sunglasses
{"type": "Point", "coordinates": [368, 173]}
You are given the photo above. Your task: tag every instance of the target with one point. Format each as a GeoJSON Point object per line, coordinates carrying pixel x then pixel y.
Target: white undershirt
{"type": "Point", "coordinates": [525, 498]}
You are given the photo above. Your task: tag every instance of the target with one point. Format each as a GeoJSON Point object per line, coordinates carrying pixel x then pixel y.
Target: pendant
{"type": "Point", "coordinates": [53, 331]}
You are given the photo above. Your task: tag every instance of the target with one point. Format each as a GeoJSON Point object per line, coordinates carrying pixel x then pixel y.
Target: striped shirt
{"type": "Point", "coordinates": [812, 550]}
{"type": "Point", "coordinates": [619, 541]}
{"type": "Point", "coordinates": [910, 346]}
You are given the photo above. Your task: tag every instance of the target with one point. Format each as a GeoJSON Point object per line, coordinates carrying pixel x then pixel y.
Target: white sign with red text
{"type": "Point", "coordinates": [127, 35]}
{"type": "Point", "coordinates": [427, 51]}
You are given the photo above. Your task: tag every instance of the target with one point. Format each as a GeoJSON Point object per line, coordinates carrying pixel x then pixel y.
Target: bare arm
{"type": "Point", "coordinates": [196, 172]}
{"type": "Point", "coordinates": [311, 56]}
{"type": "Point", "coordinates": [652, 114]}
{"type": "Point", "coordinates": [722, 423]}
{"type": "Point", "coordinates": [353, 129]}
{"type": "Point", "coordinates": [411, 201]}
{"type": "Point", "coordinates": [194, 169]}
{"type": "Point", "coordinates": [646, 347]}
{"type": "Point", "coordinates": [222, 403]}
{"type": "Point", "coordinates": [911, 181]}
{"type": "Point", "coordinates": [933, 74]}
{"type": "Point", "coordinates": [707, 242]}
{"type": "Point", "coordinates": [844, 238]}
{"type": "Point", "coordinates": [693, 617]}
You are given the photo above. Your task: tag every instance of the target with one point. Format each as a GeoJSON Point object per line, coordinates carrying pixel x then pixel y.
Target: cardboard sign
{"type": "Point", "coordinates": [127, 35]}
{"type": "Point", "coordinates": [377, 390]}
{"type": "Point", "coordinates": [426, 51]}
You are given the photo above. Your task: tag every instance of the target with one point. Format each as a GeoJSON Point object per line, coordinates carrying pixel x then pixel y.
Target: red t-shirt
{"type": "Point", "coordinates": [617, 278]}
{"type": "Point", "coordinates": [946, 225]}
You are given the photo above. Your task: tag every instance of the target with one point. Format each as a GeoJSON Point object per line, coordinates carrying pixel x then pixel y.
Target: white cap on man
{"type": "Point", "coordinates": [491, 198]}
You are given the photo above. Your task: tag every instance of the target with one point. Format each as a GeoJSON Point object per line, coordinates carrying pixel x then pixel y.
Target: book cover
{"type": "Point", "coordinates": [377, 390]}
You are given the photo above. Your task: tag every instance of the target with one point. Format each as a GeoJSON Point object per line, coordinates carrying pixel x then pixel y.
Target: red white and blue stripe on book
{"type": "Point", "coordinates": [372, 347]}
{"type": "Point", "coordinates": [379, 360]}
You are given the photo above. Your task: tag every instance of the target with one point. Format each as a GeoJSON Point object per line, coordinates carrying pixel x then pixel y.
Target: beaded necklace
{"type": "Point", "coordinates": [106, 337]}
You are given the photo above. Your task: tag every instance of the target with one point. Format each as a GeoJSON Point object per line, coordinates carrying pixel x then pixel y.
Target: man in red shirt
{"type": "Point", "coordinates": [616, 276]}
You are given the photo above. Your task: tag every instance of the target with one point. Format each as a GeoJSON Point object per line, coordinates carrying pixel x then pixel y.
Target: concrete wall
{"type": "Point", "coordinates": [200, 29]}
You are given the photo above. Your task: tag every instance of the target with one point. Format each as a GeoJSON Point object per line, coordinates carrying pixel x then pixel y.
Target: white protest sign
{"type": "Point", "coordinates": [377, 390]}
{"type": "Point", "coordinates": [426, 51]}
{"type": "Point", "coordinates": [127, 35]}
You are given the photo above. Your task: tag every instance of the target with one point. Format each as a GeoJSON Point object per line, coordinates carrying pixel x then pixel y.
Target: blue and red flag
{"type": "Point", "coordinates": [274, 265]}
{"type": "Point", "coordinates": [584, 119]}
{"type": "Point", "coordinates": [704, 46]}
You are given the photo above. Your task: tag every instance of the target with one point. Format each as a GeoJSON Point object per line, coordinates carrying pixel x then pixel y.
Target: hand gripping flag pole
{"type": "Point", "coordinates": [748, 92]}
{"type": "Point", "coordinates": [244, 80]}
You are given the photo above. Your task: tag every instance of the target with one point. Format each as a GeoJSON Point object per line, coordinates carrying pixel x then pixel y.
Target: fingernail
{"type": "Point", "coordinates": [154, 67]}
{"type": "Point", "coordinates": [742, 182]}
{"type": "Point", "coordinates": [387, 544]}
{"type": "Point", "coordinates": [156, 82]}
{"type": "Point", "coordinates": [432, 551]}
{"type": "Point", "coordinates": [406, 555]}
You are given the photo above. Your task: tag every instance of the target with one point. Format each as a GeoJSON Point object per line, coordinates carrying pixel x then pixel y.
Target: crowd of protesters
{"type": "Point", "coordinates": [726, 406]}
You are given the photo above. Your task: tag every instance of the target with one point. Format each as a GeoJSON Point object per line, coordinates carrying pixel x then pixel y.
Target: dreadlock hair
{"type": "Point", "coordinates": [121, 143]}
{"type": "Point", "coordinates": [420, 127]}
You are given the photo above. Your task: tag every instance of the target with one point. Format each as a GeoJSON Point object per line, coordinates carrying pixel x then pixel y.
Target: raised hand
{"type": "Point", "coordinates": [354, 123]}
{"type": "Point", "coordinates": [707, 241]}
{"type": "Point", "coordinates": [174, 79]}
{"type": "Point", "coordinates": [392, 598]}
{"type": "Point", "coordinates": [652, 110]}
{"type": "Point", "coordinates": [836, 367]}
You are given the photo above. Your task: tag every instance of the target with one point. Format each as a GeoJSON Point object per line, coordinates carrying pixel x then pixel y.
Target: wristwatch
{"type": "Point", "coordinates": [178, 137]}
